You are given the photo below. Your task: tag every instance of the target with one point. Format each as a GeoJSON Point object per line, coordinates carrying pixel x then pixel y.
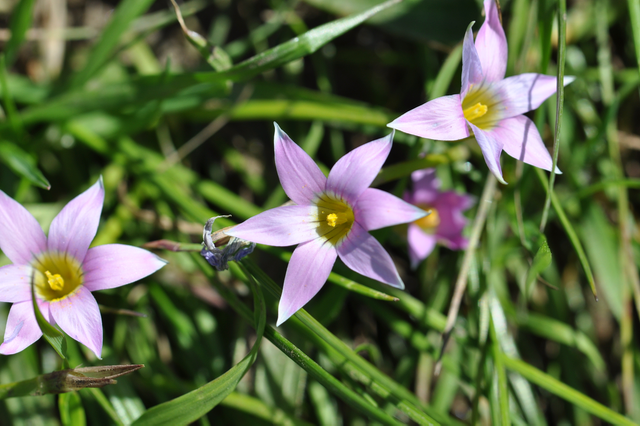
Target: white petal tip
{"type": "Point", "coordinates": [568, 79]}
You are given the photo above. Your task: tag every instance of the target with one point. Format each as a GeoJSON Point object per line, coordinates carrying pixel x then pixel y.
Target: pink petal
{"type": "Point", "coordinates": [364, 254]}
{"type": "Point", "coordinates": [354, 172]}
{"type": "Point", "coordinates": [491, 44]}
{"type": "Point", "coordinates": [21, 236]}
{"type": "Point", "coordinates": [471, 65]}
{"type": "Point", "coordinates": [439, 119]}
{"type": "Point", "coordinates": [452, 222]}
{"type": "Point", "coordinates": [300, 177]}
{"type": "Point", "coordinates": [78, 315]}
{"type": "Point", "coordinates": [491, 148]}
{"type": "Point", "coordinates": [73, 229]}
{"type": "Point", "coordinates": [425, 187]}
{"type": "Point", "coordinates": [282, 226]}
{"type": "Point", "coordinates": [525, 92]}
{"type": "Point", "coordinates": [22, 328]}
{"type": "Point", "coordinates": [421, 245]}
{"type": "Point", "coordinates": [377, 209]}
{"type": "Point", "coordinates": [114, 265]}
{"type": "Point", "coordinates": [522, 141]}
{"type": "Point", "coordinates": [308, 270]}
{"type": "Point", "coordinates": [15, 283]}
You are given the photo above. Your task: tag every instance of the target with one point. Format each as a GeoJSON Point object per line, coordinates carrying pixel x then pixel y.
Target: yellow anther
{"type": "Point", "coordinates": [429, 222]}
{"type": "Point", "coordinates": [475, 111]}
{"type": "Point", "coordinates": [56, 282]}
{"type": "Point", "coordinates": [335, 219]}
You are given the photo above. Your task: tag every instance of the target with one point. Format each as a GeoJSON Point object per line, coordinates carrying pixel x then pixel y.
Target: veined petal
{"type": "Point", "coordinates": [491, 44]}
{"type": "Point", "coordinates": [73, 229]}
{"type": "Point", "coordinates": [425, 187]}
{"type": "Point", "coordinates": [421, 245]}
{"type": "Point", "coordinates": [471, 65]}
{"type": "Point", "coordinates": [365, 255]}
{"type": "Point", "coordinates": [377, 209]}
{"type": "Point", "coordinates": [522, 141]}
{"type": "Point", "coordinates": [22, 328]}
{"type": "Point", "coordinates": [525, 92]}
{"type": "Point", "coordinates": [491, 149]}
{"type": "Point", "coordinates": [15, 283]}
{"type": "Point", "coordinates": [440, 119]}
{"type": "Point", "coordinates": [354, 172]}
{"type": "Point", "coordinates": [78, 315]}
{"type": "Point", "coordinates": [282, 226]}
{"type": "Point", "coordinates": [299, 175]}
{"type": "Point", "coordinates": [308, 270]}
{"type": "Point", "coordinates": [113, 265]}
{"type": "Point", "coordinates": [21, 236]}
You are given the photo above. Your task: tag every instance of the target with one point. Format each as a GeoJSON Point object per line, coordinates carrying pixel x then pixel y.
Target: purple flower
{"type": "Point", "coordinates": [66, 270]}
{"type": "Point", "coordinates": [489, 106]}
{"type": "Point", "coordinates": [331, 218]}
{"type": "Point", "coordinates": [443, 225]}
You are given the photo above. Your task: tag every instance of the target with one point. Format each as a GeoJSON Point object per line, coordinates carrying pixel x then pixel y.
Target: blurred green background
{"type": "Point", "coordinates": [92, 88]}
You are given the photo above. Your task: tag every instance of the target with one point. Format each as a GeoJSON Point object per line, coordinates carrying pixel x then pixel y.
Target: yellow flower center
{"type": "Point", "coordinates": [56, 282]}
{"type": "Point", "coordinates": [430, 222]}
{"type": "Point", "coordinates": [57, 275]}
{"type": "Point", "coordinates": [482, 106]}
{"type": "Point", "coordinates": [475, 111]}
{"type": "Point", "coordinates": [335, 218]}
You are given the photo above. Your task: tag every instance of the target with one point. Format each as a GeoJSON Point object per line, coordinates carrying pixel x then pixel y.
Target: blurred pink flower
{"type": "Point", "coordinates": [490, 107]}
{"type": "Point", "coordinates": [330, 219]}
{"type": "Point", "coordinates": [66, 270]}
{"type": "Point", "coordinates": [445, 223]}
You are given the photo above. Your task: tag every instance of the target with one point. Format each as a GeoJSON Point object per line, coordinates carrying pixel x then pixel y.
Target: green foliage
{"type": "Point", "coordinates": [178, 121]}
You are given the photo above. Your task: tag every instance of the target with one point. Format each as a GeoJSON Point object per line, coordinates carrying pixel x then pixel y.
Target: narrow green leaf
{"type": "Point", "coordinates": [565, 392]}
{"type": "Point", "coordinates": [125, 13]}
{"type": "Point", "coordinates": [503, 389]}
{"type": "Point", "coordinates": [51, 334]}
{"type": "Point", "coordinates": [298, 47]}
{"type": "Point", "coordinates": [571, 233]}
{"type": "Point", "coordinates": [71, 410]}
{"type": "Point", "coordinates": [195, 404]}
{"type": "Point", "coordinates": [20, 22]}
{"type": "Point", "coordinates": [541, 261]}
{"type": "Point", "coordinates": [446, 73]}
{"type": "Point", "coordinates": [12, 113]}
{"type": "Point", "coordinates": [22, 164]}
{"type": "Point", "coordinates": [214, 55]}
{"type": "Point", "coordinates": [105, 405]}
{"type": "Point", "coordinates": [397, 171]}
{"type": "Point", "coordinates": [634, 15]}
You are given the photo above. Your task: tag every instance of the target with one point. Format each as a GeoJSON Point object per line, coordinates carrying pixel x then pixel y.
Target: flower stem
{"type": "Point", "coordinates": [562, 44]}
{"type": "Point", "coordinates": [486, 199]}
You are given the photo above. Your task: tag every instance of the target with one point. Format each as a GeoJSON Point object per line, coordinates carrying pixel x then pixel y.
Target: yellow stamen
{"type": "Point", "coordinates": [56, 282]}
{"type": "Point", "coordinates": [338, 218]}
{"type": "Point", "coordinates": [475, 111]}
{"type": "Point", "coordinates": [429, 222]}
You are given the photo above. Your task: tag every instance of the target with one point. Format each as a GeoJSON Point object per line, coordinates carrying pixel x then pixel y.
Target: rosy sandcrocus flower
{"type": "Point", "coordinates": [331, 218]}
{"type": "Point", "coordinates": [64, 268]}
{"type": "Point", "coordinates": [489, 106]}
{"type": "Point", "coordinates": [445, 223]}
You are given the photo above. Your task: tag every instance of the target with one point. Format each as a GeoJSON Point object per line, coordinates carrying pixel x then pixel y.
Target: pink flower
{"type": "Point", "coordinates": [66, 270]}
{"type": "Point", "coordinates": [445, 223]}
{"type": "Point", "coordinates": [489, 106]}
{"type": "Point", "coordinates": [330, 219]}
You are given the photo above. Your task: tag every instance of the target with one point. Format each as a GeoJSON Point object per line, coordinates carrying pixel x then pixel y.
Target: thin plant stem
{"type": "Point", "coordinates": [486, 199]}
{"type": "Point", "coordinates": [562, 43]}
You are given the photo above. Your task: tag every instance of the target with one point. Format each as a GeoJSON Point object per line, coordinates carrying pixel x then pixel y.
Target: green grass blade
{"type": "Point", "coordinates": [125, 13]}
{"type": "Point", "coordinates": [634, 15]}
{"type": "Point", "coordinates": [195, 404]}
{"type": "Point", "coordinates": [22, 164]}
{"type": "Point", "coordinates": [71, 410]}
{"type": "Point", "coordinates": [446, 73]}
{"type": "Point", "coordinates": [20, 22]}
{"type": "Point", "coordinates": [558, 388]}
{"type": "Point", "coordinates": [503, 389]}
{"type": "Point", "coordinates": [298, 47]}
{"type": "Point", "coordinates": [571, 233]}
{"type": "Point", "coordinates": [562, 51]}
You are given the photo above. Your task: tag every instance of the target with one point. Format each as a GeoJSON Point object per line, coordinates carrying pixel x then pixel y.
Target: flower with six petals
{"type": "Point", "coordinates": [490, 107]}
{"type": "Point", "coordinates": [445, 223]}
{"type": "Point", "coordinates": [64, 268]}
{"type": "Point", "coordinates": [331, 218]}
